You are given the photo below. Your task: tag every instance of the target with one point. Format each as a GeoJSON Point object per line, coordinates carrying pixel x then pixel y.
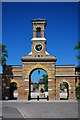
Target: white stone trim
{"type": "Point", "coordinates": [46, 53]}
{"type": "Point", "coordinates": [26, 89]}
{"type": "Point", "coordinates": [38, 39]}
{"type": "Point", "coordinates": [16, 66]}
{"type": "Point", "coordinates": [49, 89]}
{"type": "Point", "coordinates": [26, 79]}
{"type": "Point", "coordinates": [69, 87]}
{"type": "Point", "coordinates": [66, 66]}
{"type": "Point", "coordinates": [30, 53]}
{"type": "Point", "coordinates": [49, 79]}
{"type": "Point", "coordinates": [16, 74]}
{"type": "Point", "coordinates": [66, 75]}
{"type": "Point", "coordinates": [40, 51]}
{"type": "Point", "coordinates": [37, 22]}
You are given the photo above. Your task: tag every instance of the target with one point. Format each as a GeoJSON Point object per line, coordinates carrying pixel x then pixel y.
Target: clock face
{"type": "Point", "coordinates": [38, 47]}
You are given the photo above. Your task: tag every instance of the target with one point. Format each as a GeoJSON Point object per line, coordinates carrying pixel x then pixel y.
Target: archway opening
{"type": "Point", "coordinates": [38, 84]}
{"type": "Point", "coordinates": [38, 32]}
{"type": "Point", "coordinates": [13, 91]}
{"type": "Point", "coordinates": [64, 91]}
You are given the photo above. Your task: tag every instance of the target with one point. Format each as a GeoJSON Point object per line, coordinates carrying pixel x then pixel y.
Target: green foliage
{"type": "Point", "coordinates": [45, 79]}
{"type": "Point", "coordinates": [77, 47]}
{"type": "Point", "coordinates": [37, 85]}
{"type": "Point", "coordinates": [65, 84]}
{"type": "Point", "coordinates": [78, 56]}
{"type": "Point", "coordinates": [15, 86]}
{"type": "Point", "coordinates": [3, 54]}
{"type": "Point", "coordinates": [78, 92]}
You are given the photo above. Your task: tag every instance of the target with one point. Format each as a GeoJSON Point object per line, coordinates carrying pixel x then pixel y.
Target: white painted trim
{"type": "Point", "coordinates": [49, 89]}
{"type": "Point", "coordinates": [38, 39]}
{"type": "Point", "coordinates": [65, 66]}
{"type": "Point", "coordinates": [30, 53]}
{"type": "Point", "coordinates": [46, 53]}
{"type": "Point", "coordinates": [26, 79]}
{"type": "Point", "coordinates": [69, 87]}
{"type": "Point", "coordinates": [39, 51]}
{"type": "Point", "coordinates": [39, 22]}
{"type": "Point", "coordinates": [16, 65]}
{"type": "Point", "coordinates": [26, 89]}
{"type": "Point", "coordinates": [66, 75]}
{"type": "Point", "coordinates": [49, 79]}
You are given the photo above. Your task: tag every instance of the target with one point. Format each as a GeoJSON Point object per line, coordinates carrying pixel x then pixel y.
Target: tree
{"type": "Point", "coordinates": [3, 55]}
{"type": "Point", "coordinates": [45, 79]}
{"type": "Point", "coordinates": [77, 47]}
{"type": "Point", "coordinates": [78, 92]}
{"type": "Point", "coordinates": [37, 85]}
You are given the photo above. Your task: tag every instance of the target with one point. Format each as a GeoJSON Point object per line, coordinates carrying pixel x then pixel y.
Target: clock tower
{"type": "Point", "coordinates": [38, 40]}
{"type": "Point", "coordinates": [38, 58]}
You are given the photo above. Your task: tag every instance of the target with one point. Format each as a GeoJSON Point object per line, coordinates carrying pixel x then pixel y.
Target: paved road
{"type": "Point", "coordinates": [34, 109]}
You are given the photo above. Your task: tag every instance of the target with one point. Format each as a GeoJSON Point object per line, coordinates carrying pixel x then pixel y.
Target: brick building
{"type": "Point", "coordinates": [39, 58]}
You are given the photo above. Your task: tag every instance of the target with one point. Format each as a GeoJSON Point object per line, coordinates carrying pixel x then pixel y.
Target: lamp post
{"type": "Point", "coordinates": [39, 76]}
{"type": "Point", "coordinates": [38, 71]}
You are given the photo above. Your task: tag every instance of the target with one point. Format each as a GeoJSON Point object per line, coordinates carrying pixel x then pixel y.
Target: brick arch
{"type": "Point", "coordinates": [38, 66]}
{"type": "Point", "coordinates": [13, 80]}
{"type": "Point", "coordinates": [64, 80]}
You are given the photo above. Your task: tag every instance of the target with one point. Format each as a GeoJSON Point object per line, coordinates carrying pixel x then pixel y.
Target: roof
{"type": "Point", "coordinates": [38, 19]}
{"type": "Point", "coordinates": [14, 65]}
{"type": "Point", "coordinates": [47, 58]}
{"type": "Point", "coordinates": [71, 65]}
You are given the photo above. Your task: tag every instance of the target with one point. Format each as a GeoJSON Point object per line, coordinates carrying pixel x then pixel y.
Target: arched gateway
{"type": "Point", "coordinates": [39, 58]}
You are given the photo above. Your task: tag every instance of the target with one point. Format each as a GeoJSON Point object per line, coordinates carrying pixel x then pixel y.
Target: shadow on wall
{"type": "Point", "coordinates": [6, 78]}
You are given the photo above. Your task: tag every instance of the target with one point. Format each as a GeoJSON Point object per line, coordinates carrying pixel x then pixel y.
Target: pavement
{"type": "Point", "coordinates": [40, 109]}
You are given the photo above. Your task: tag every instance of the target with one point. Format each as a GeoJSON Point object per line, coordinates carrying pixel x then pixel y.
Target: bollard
{"type": "Point", "coordinates": [47, 97]}
{"type": "Point", "coordinates": [38, 97]}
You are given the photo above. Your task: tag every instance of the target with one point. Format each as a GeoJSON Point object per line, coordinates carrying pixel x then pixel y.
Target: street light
{"type": "Point", "coordinates": [38, 71]}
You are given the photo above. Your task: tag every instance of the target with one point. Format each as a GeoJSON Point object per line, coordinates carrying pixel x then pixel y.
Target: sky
{"type": "Point", "coordinates": [61, 31]}
{"type": "Point", "coordinates": [38, 75]}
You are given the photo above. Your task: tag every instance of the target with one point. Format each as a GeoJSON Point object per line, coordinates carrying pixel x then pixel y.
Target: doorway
{"type": "Point", "coordinates": [64, 91]}
{"type": "Point", "coordinates": [13, 94]}
{"type": "Point", "coordinates": [38, 84]}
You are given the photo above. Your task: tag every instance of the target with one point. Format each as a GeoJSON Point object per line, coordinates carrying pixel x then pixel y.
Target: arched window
{"type": "Point", "coordinates": [38, 32]}
{"type": "Point", "coordinates": [13, 94]}
{"type": "Point", "coordinates": [64, 90]}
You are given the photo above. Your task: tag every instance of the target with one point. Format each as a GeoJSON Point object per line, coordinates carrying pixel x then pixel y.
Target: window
{"type": "Point", "coordinates": [38, 32]}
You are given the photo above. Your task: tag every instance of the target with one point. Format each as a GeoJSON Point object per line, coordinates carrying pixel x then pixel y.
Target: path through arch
{"type": "Point", "coordinates": [38, 84]}
{"type": "Point", "coordinates": [64, 91]}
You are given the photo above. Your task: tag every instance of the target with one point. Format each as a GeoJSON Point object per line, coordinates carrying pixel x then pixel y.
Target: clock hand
{"type": "Point", "coordinates": [39, 47]}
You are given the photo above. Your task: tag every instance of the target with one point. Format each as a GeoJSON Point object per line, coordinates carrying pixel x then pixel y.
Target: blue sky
{"type": "Point", "coordinates": [38, 76]}
{"type": "Point", "coordinates": [61, 30]}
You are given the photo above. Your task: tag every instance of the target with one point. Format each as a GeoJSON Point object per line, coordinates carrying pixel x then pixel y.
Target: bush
{"type": "Point", "coordinates": [78, 92]}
